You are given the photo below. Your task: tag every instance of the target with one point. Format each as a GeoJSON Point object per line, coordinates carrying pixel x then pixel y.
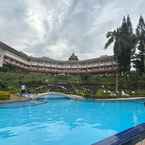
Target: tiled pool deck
{"type": "Point", "coordinates": [132, 136]}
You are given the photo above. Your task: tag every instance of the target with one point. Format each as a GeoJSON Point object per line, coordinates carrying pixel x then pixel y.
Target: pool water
{"type": "Point", "coordinates": [66, 122]}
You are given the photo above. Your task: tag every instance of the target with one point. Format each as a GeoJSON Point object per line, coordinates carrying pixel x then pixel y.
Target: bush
{"type": "Point", "coordinates": [139, 93]}
{"type": "Point", "coordinates": [4, 95]}
{"type": "Point", "coordinates": [82, 92]}
{"type": "Point", "coordinates": [101, 93]}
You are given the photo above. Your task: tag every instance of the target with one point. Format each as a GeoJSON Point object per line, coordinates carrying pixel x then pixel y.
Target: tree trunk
{"type": "Point", "coordinates": [116, 82]}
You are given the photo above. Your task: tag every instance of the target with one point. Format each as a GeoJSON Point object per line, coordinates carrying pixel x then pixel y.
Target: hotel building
{"type": "Point", "coordinates": [100, 65]}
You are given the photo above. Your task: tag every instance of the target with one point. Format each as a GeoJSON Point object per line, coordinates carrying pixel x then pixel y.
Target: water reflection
{"type": "Point", "coordinates": [6, 134]}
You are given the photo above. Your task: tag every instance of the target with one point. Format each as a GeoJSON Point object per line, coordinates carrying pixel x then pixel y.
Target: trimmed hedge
{"type": "Point", "coordinates": [4, 95]}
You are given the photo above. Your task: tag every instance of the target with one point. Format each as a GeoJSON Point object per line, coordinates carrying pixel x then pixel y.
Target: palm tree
{"type": "Point", "coordinates": [114, 37]}
{"type": "Point", "coordinates": [124, 42]}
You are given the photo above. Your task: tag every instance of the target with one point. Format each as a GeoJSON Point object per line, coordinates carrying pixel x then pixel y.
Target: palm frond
{"type": "Point", "coordinates": [109, 42]}
{"type": "Point", "coordinates": [109, 34]}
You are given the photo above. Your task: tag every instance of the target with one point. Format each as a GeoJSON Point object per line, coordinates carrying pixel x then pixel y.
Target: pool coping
{"type": "Point", "coordinates": [70, 96]}
{"type": "Point", "coordinates": [122, 99]}
{"type": "Point", "coordinates": [78, 97]}
{"type": "Point", "coordinates": [130, 136]}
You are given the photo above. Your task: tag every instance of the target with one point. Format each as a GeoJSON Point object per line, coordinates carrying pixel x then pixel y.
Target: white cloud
{"type": "Point", "coordinates": [59, 27]}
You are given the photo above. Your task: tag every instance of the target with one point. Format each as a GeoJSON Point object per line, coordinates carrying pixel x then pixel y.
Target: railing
{"type": "Point", "coordinates": [71, 70]}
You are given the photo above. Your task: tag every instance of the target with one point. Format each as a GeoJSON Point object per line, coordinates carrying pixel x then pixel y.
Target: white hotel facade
{"type": "Point", "coordinates": [101, 65]}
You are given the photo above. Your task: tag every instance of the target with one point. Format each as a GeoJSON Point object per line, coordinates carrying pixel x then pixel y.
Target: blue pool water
{"type": "Point", "coordinates": [66, 122]}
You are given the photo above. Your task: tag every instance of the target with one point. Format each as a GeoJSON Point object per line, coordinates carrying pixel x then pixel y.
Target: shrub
{"type": "Point", "coordinates": [139, 93]}
{"type": "Point", "coordinates": [4, 95]}
{"type": "Point", "coordinates": [101, 93]}
{"type": "Point", "coordinates": [82, 92]}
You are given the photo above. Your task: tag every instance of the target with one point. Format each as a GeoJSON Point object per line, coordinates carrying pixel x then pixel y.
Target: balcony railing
{"type": "Point", "coordinates": [74, 69]}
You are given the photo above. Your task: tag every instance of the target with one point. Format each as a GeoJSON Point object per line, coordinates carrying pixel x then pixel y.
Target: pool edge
{"type": "Point", "coordinates": [131, 136]}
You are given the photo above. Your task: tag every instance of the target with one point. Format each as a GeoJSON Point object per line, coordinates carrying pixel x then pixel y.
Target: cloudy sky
{"type": "Point", "coordinates": [56, 28]}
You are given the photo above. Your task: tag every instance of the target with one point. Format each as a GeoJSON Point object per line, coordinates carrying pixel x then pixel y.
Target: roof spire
{"type": "Point", "coordinates": [73, 57]}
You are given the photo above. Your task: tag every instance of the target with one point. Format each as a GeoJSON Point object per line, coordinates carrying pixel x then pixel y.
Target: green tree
{"type": "Point", "coordinates": [124, 41]}
{"type": "Point", "coordinates": [140, 56]}
{"type": "Point", "coordinates": [115, 37]}
{"type": "Point", "coordinates": [124, 44]}
{"type": "Point", "coordinates": [128, 45]}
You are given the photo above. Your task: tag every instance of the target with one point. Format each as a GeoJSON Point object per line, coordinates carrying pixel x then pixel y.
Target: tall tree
{"type": "Point", "coordinates": [124, 44]}
{"type": "Point", "coordinates": [129, 25]}
{"type": "Point", "coordinates": [128, 48]}
{"type": "Point", "coordinates": [140, 56]}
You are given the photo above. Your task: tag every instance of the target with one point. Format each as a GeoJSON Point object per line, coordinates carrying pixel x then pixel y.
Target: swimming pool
{"type": "Point", "coordinates": [66, 122]}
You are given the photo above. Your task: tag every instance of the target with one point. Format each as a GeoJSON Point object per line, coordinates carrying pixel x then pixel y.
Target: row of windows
{"type": "Point", "coordinates": [59, 70]}
{"type": "Point", "coordinates": [62, 66]}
